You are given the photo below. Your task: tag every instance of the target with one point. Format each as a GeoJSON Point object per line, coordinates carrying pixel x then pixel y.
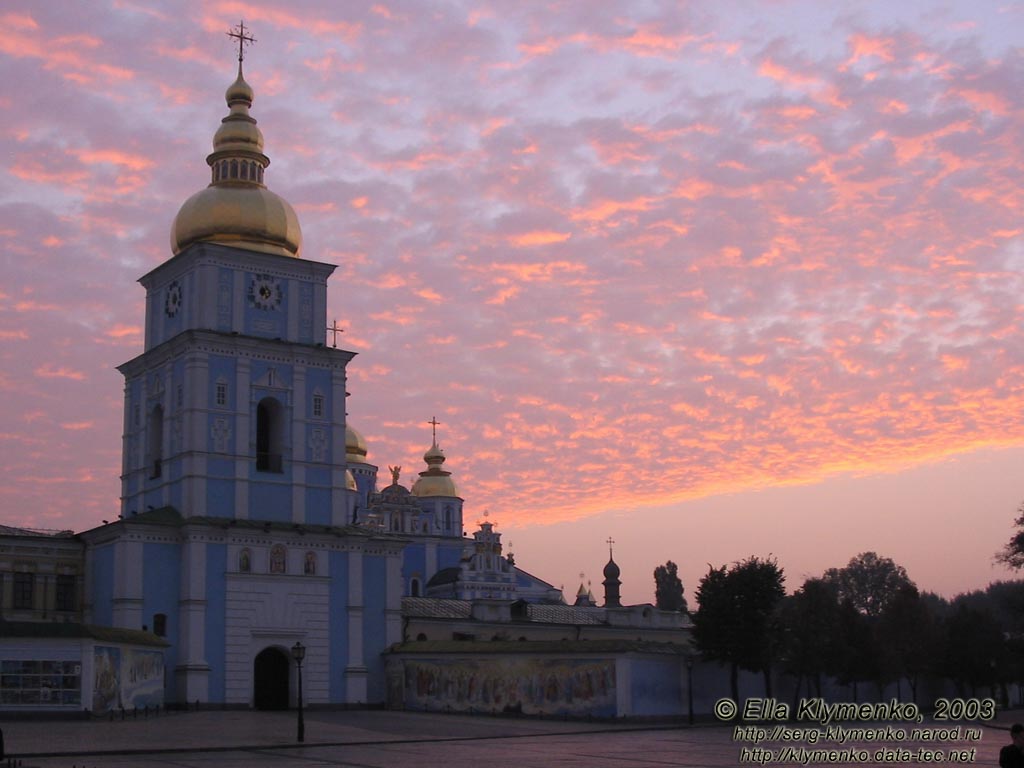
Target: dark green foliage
{"type": "Point", "coordinates": [1013, 553]}
{"type": "Point", "coordinates": [908, 635]}
{"type": "Point", "coordinates": [810, 641]}
{"type": "Point", "coordinates": [735, 623]}
{"type": "Point", "coordinates": [975, 653]}
{"type": "Point", "coordinates": [668, 588]}
{"type": "Point", "coordinates": [868, 582]}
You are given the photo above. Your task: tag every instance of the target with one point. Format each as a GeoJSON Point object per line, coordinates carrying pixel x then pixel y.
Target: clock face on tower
{"type": "Point", "coordinates": [265, 292]}
{"type": "Point", "coordinates": [173, 301]}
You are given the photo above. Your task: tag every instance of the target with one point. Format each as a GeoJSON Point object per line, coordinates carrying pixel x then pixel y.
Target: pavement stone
{"type": "Point", "coordinates": [379, 739]}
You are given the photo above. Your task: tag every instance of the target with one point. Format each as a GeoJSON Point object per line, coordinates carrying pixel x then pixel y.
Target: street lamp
{"type": "Point", "coordinates": [299, 653]}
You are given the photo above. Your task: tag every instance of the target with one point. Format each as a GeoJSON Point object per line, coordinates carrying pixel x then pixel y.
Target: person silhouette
{"type": "Point", "coordinates": [1012, 755]}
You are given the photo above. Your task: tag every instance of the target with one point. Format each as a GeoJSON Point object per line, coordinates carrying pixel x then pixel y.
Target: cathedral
{"type": "Point", "coordinates": [251, 522]}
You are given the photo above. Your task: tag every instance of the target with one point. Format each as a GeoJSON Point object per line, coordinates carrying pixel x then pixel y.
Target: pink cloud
{"type": "Point", "coordinates": [60, 372]}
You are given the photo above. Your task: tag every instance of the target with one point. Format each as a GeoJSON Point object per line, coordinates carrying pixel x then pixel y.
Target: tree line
{"type": "Point", "coordinates": [865, 626]}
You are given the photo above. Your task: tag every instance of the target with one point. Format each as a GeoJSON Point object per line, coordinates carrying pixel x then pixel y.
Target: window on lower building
{"type": "Point", "coordinates": [24, 586]}
{"type": "Point", "coordinates": [160, 624]}
{"type": "Point", "coordinates": [65, 593]}
{"type": "Point", "coordinates": [318, 406]}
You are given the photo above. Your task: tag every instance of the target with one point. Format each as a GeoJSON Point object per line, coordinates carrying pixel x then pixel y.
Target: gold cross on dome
{"type": "Point", "coordinates": [434, 422]}
{"type": "Point", "coordinates": [238, 33]}
{"type": "Point", "coordinates": [610, 542]}
{"type": "Point", "coordinates": [336, 329]}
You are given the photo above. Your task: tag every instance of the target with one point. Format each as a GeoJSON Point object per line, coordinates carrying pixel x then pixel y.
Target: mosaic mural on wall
{"type": "Point", "coordinates": [126, 678]}
{"type": "Point", "coordinates": [106, 686]}
{"type": "Point", "coordinates": [142, 681]}
{"type": "Point", "coordinates": [531, 686]}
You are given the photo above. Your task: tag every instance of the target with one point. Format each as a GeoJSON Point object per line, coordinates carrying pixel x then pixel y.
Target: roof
{"type": "Point", "coordinates": [547, 613]}
{"type": "Point", "coordinates": [69, 629]}
{"type": "Point", "coordinates": [445, 576]}
{"type": "Point", "coordinates": [8, 530]}
{"type": "Point", "coordinates": [605, 647]}
{"type": "Point", "coordinates": [540, 613]}
{"type": "Point", "coordinates": [170, 516]}
{"type": "Point", "coordinates": [436, 608]}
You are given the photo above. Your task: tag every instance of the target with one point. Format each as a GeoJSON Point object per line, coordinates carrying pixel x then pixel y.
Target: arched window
{"type": "Point", "coordinates": [244, 561]}
{"type": "Point", "coordinates": [278, 561]}
{"type": "Point", "coordinates": [414, 588]}
{"type": "Point", "coordinates": [234, 169]}
{"type": "Point", "coordinates": [309, 566]}
{"type": "Point", "coordinates": [269, 435]}
{"type": "Point", "coordinates": [160, 624]}
{"type": "Point", "coordinates": [448, 517]}
{"type": "Point", "coordinates": [156, 441]}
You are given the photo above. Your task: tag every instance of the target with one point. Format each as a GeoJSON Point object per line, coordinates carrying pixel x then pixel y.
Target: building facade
{"type": "Point", "coordinates": [242, 530]}
{"type": "Point", "coordinates": [251, 519]}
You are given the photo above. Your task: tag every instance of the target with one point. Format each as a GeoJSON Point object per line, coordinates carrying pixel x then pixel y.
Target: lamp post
{"type": "Point", "coordinates": [299, 653]}
{"type": "Point", "coordinates": [689, 688]}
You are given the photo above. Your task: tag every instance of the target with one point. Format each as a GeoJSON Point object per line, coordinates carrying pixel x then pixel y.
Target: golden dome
{"type": "Point", "coordinates": [350, 481]}
{"type": "Point", "coordinates": [237, 209]}
{"type": "Point", "coordinates": [435, 481]}
{"type": "Point", "coordinates": [355, 445]}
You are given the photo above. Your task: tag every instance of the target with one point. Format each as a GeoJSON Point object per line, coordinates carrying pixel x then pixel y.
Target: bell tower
{"type": "Point", "coordinates": [236, 407]}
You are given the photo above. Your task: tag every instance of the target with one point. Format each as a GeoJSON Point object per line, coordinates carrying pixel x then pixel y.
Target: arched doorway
{"type": "Point", "coordinates": [270, 679]}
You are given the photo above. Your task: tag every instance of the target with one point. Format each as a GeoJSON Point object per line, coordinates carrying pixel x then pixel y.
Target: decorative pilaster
{"type": "Point", "coordinates": [355, 671]}
{"type": "Point", "coordinates": [192, 673]}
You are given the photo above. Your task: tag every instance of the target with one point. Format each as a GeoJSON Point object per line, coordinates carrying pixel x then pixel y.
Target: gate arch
{"type": "Point", "coordinates": [270, 674]}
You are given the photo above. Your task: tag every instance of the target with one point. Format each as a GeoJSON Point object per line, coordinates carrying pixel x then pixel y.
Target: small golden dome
{"type": "Point", "coordinates": [350, 481]}
{"type": "Point", "coordinates": [435, 481]}
{"type": "Point", "coordinates": [355, 445]}
{"type": "Point", "coordinates": [237, 209]}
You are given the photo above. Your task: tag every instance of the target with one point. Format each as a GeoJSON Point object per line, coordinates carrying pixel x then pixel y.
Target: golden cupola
{"type": "Point", "coordinates": [237, 209]}
{"type": "Point", "coordinates": [355, 445]}
{"type": "Point", "coordinates": [435, 481]}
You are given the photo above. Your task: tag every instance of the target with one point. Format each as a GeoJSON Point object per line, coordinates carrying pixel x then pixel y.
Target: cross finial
{"type": "Point", "coordinates": [336, 329]}
{"type": "Point", "coordinates": [434, 422]}
{"type": "Point", "coordinates": [610, 542]}
{"type": "Point", "coordinates": [238, 33]}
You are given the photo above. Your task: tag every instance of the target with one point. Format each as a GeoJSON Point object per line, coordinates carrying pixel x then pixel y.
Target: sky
{"type": "Point", "coordinates": [710, 279]}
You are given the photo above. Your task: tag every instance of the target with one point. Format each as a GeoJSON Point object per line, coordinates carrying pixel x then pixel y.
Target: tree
{"type": "Point", "coordinates": [1013, 553]}
{"type": "Point", "coordinates": [908, 637]}
{"type": "Point", "coordinates": [809, 624]}
{"type": "Point", "coordinates": [735, 623]}
{"type": "Point", "coordinates": [975, 652]}
{"type": "Point", "coordinates": [668, 588]}
{"type": "Point", "coordinates": [869, 582]}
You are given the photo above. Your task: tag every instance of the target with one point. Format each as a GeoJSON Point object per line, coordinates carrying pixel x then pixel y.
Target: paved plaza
{"type": "Point", "coordinates": [375, 739]}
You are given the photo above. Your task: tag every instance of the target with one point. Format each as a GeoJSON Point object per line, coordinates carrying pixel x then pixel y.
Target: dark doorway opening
{"type": "Point", "coordinates": [270, 679]}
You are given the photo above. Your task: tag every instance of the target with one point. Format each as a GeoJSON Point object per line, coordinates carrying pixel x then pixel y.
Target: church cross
{"type": "Point", "coordinates": [238, 33]}
{"type": "Point", "coordinates": [433, 421]}
{"type": "Point", "coordinates": [610, 542]}
{"type": "Point", "coordinates": [336, 329]}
